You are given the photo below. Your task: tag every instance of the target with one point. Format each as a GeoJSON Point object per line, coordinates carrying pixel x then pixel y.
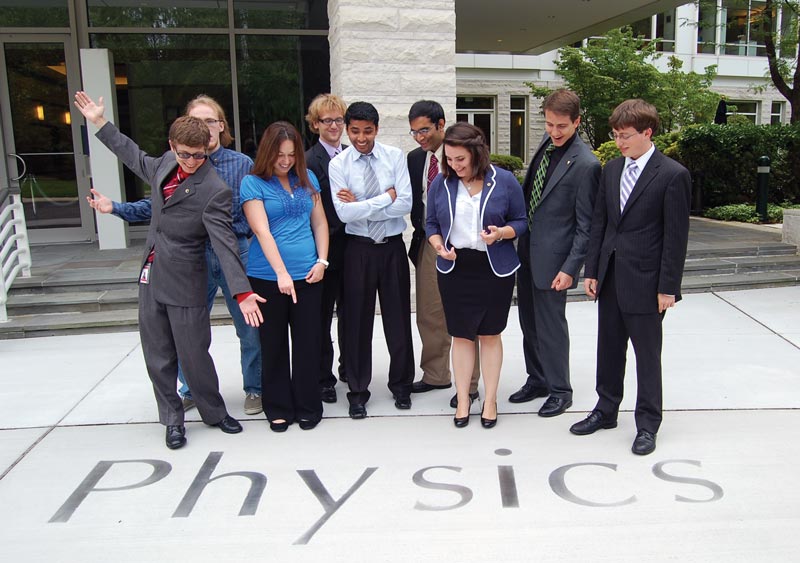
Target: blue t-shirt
{"type": "Point", "coordinates": [289, 218]}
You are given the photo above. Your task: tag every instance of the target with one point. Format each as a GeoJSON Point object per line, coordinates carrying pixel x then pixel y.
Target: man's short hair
{"type": "Point", "coordinates": [634, 113]}
{"type": "Point", "coordinates": [361, 111]}
{"type": "Point", "coordinates": [225, 137]}
{"type": "Point", "coordinates": [426, 108]}
{"type": "Point", "coordinates": [189, 131]}
{"type": "Point", "coordinates": [321, 104]}
{"type": "Point", "coordinates": [563, 102]}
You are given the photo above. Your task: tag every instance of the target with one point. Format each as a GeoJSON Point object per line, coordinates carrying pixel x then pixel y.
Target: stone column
{"type": "Point", "coordinates": [392, 53]}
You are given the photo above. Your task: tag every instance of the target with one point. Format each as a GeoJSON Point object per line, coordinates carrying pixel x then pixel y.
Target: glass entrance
{"type": "Point", "coordinates": [44, 154]}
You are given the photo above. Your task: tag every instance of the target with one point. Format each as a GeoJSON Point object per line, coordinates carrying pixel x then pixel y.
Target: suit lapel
{"type": "Point", "coordinates": [564, 165]}
{"type": "Point", "coordinates": [614, 176]}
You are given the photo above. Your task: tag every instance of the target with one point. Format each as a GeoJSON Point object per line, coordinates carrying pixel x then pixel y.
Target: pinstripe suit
{"type": "Point", "coordinates": [635, 255]}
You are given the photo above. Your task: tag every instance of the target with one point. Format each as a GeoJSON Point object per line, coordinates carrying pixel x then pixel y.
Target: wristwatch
{"type": "Point", "coordinates": [323, 262]}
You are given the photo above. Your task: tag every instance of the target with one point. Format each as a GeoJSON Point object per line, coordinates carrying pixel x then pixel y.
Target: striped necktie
{"type": "Point", "coordinates": [626, 184]}
{"type": "Point", "coordinates": [372, 188]}
{"type": "Point", "coordinates": [433, 170]}
{"type": "Point", "coordinates": [538, 181]}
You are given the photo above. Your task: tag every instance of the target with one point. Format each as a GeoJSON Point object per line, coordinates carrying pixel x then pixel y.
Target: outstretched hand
{"type": "Point", "coordinates": [251, 311]}
{"type": "Point", "coordinates": [99, 202]}
{"type": "Point", "coordinates": [92, 111]}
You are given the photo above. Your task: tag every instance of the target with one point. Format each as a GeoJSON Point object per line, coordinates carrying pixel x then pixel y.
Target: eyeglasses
{"type": "Point", "coordinates": [188, 155]}
{"type": "Point", "coordinates": [417, 132]}
{"type": "Point", "coordinates": [210, 121]}
{"type": "Point", "coordinates": [328, 121]}
{"type": "Point", "coordinates": [621, 136]}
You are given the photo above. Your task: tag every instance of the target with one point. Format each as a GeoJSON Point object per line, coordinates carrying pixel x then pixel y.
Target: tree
{"type": "Point", "coordinates": [784, 72]}
{"type": "Point", "coordinates": [611, 69]}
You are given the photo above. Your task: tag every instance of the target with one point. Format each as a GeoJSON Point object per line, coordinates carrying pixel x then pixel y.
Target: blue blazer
{"type": "Point", "coordinates": [502, 205]}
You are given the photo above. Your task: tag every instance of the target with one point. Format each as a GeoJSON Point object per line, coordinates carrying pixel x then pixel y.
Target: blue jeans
{"type": "Point", "coordinates": [249, 342]}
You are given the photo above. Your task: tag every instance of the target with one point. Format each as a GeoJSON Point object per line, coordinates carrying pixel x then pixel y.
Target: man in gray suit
{"type": "Point", "coordinates": [560, 188]}
{"type": "Point", "coordinates": [191, 205]}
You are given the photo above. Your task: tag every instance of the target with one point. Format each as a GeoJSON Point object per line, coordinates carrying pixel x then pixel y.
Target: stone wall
{"type": "Point", "coordinates": [392, 53]}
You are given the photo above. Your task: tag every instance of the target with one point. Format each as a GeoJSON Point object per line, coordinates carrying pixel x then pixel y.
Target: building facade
{"type": "Point", "coordinates": [265, 60]}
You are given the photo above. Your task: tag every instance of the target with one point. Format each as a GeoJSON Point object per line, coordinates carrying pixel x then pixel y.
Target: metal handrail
{"type": "Point", "coordinates": [15, 252]}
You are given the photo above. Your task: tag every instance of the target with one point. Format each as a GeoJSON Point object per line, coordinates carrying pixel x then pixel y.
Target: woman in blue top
{"type": "Point", "coordinates": [287, 260]}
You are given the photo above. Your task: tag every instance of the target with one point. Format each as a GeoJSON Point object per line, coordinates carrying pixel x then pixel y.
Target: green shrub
{"type": "Point", "coordinates": [723, 161]}
{"type": "Point", "coordinates": [607, 151]}
{"type": "Point", "coordinates": [745, 213]}
{"type": "Point", "coordinates": [511, 163]}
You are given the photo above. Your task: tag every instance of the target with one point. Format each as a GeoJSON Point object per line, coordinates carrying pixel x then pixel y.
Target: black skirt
{"type": "Point", "coordinates": [475, 300]}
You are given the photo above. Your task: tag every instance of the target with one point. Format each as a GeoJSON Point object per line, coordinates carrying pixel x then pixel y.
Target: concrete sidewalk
{"type": "Point", "coordinates": [86, 476]}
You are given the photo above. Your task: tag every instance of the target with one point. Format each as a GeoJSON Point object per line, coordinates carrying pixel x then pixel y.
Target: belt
{"type": "Point", "coordinates": [367, 240]}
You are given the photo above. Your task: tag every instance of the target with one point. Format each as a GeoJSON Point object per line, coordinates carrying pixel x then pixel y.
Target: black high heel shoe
{"type": "Point", "coordinates": [488, 422]}
{"type": "Point", "coordinates": [461, 422]}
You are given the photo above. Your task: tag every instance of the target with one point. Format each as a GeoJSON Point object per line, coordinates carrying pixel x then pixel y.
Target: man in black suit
{"type": "Point", "coordinates": [326, 118]}
{"type": "Point", "coordinates": [560, 189]}
{"type": "Point", "coordinates": [640, 230]}
{"type": "Point", "coordinates": [426, 120]}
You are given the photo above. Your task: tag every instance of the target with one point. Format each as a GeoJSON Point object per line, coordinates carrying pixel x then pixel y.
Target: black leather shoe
{"type": "Point", "coordinates": [402, 403]}
{"type": "Point", "coordinates": [176, 436]}
{"type": "Point", "coordinates": [328, 395]}
{"type": "Point", "coordinates": [461, 422]}
{"type": "Point", "coordinates": [422, 387]}
{"type": "Point", "coordinates": [229, 425]}
{"type": "Point", "coordinates": [592, 423]}
{"type": "Point", "coordinates": [645, 443]}
{"type": "Point", "coordinates": [279, 426]}
{"type": "Point", "coordinates": [472, 398]}
{"type": "Point", "coordinates": [308, 424]}
{"type": "Point", "coordinates": [343, 377]}
{"type": "Point", "coordinates": [358, 411]}
{"type": "Point", "coordinates": [554, 406]}
{"type": "Point", "coordinates": [487, 422]}
{"type": "Point", "coordinates": [527, 392]}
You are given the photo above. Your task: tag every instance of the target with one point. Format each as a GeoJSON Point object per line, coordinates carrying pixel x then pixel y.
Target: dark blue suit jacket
{"type": "Point", "coordinates": [502, 205]}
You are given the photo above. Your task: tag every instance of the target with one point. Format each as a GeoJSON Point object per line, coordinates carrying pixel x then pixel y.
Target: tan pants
{"type": "Point", "coordinates": [435, 360]}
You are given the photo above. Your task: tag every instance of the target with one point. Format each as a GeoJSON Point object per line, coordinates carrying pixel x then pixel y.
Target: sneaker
{"type": "Point", "coordinates": [252, 404]}
{"type": "Point", "coordinates": [188, 403]}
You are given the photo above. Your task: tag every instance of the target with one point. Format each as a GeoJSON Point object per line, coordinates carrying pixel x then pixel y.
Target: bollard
{"type": "Point", "coordinates": [762, 185]}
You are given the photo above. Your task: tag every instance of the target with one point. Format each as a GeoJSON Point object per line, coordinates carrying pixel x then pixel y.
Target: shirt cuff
{"type": "Point", "coordinates": [242, 296]}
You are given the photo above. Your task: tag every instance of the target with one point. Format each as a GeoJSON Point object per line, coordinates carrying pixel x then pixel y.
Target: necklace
{"type": "Point", "coordinates": [470, 187]}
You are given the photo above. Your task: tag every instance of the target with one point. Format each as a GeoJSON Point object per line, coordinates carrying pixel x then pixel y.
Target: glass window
{"type": "Point", "coordinates": [518, 126]}
{"type": "Point", "coordinates": [45, 13]}
{"type": "Point", "coordinates": [278, 77]}
{"type": "Point", "coordinates": [281, 14]}
{"type": "Point", "coordinates": [156, 74]}
{"type": "Point", "coordinates": [665, 29]}
{"type": "Point", "coordinates": [707, 30]}
{"type": "Point", "coordinates": [776, 113]}
{"type": "Point", "coordinates": [158, 13]}
{"type": "Point", "coordinates": [742, 31]}
{"type": "Point", "coordinates": [746, 108]}
{"type": "Point", "coordinates": [478, 110]}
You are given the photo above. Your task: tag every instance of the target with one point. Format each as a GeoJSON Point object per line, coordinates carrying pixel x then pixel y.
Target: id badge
{"type": "Point", "coordinates": [144, 277]}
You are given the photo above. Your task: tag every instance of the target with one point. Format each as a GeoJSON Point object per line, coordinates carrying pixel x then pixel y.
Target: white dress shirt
{"type": "Point", "coordinates": [467, 220]}
{"type": "Point", "coordinates": [346, 171]}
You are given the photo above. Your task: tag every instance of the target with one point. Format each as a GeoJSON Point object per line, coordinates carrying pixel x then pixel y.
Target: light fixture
{"type": "Point", "coordinates": [67, 118]}
{"type": "Point", "coordinates": [39, 112]}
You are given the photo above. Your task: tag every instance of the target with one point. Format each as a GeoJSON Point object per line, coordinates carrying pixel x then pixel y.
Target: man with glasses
{"type": "Point", "coordinates": [634, 266]}
{"type": "Point", "coordinates": [427, 124]}
{"type": "Point", "coordinates": [231, 166]}
{"type": "Point", "coordinates": [326, 118]}
{"type": "Point", "coordinates": [191, 205]}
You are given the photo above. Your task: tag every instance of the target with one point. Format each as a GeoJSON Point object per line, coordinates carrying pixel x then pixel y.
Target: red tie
{"type": "Point", "coordinates": [433, 170]}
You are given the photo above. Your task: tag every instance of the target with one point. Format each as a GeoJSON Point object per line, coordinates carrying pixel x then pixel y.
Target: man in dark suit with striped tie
{"type": "Point", "coordinates": [634, 266]}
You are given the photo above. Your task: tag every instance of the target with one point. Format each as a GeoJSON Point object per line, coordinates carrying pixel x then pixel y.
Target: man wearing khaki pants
{"type": "Point", "coordinates": [426, 119]}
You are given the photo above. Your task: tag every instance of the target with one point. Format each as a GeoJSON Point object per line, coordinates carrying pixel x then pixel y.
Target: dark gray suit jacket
{"type": "Point", "coordinates": [562, 222]}
{"type": "Point", "coordinates": [199, 210]}
{"type": "Point", "coordinates": [648, 240]}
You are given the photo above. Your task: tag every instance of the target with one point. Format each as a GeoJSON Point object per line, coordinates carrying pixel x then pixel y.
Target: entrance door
{"type": "Point", "coordinates": [42, 136]}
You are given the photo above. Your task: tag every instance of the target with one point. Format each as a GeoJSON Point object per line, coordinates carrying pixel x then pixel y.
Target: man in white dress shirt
{"type": "Point", "coordinates": [371, 193]}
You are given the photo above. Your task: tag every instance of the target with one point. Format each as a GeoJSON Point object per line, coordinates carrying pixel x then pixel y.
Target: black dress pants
{"type": "Point", "coordinates": [290, 393]}
{"type": "Point", "coordinates": [615, 327]}
{"type": "Point", "coordinates": [381, 268]}
{"type": "Point", "coordinates": [332, 297]}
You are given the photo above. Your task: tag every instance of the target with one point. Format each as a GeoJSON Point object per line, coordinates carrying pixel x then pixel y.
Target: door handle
{"type": "Point", "coordinates": [24, 166]}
